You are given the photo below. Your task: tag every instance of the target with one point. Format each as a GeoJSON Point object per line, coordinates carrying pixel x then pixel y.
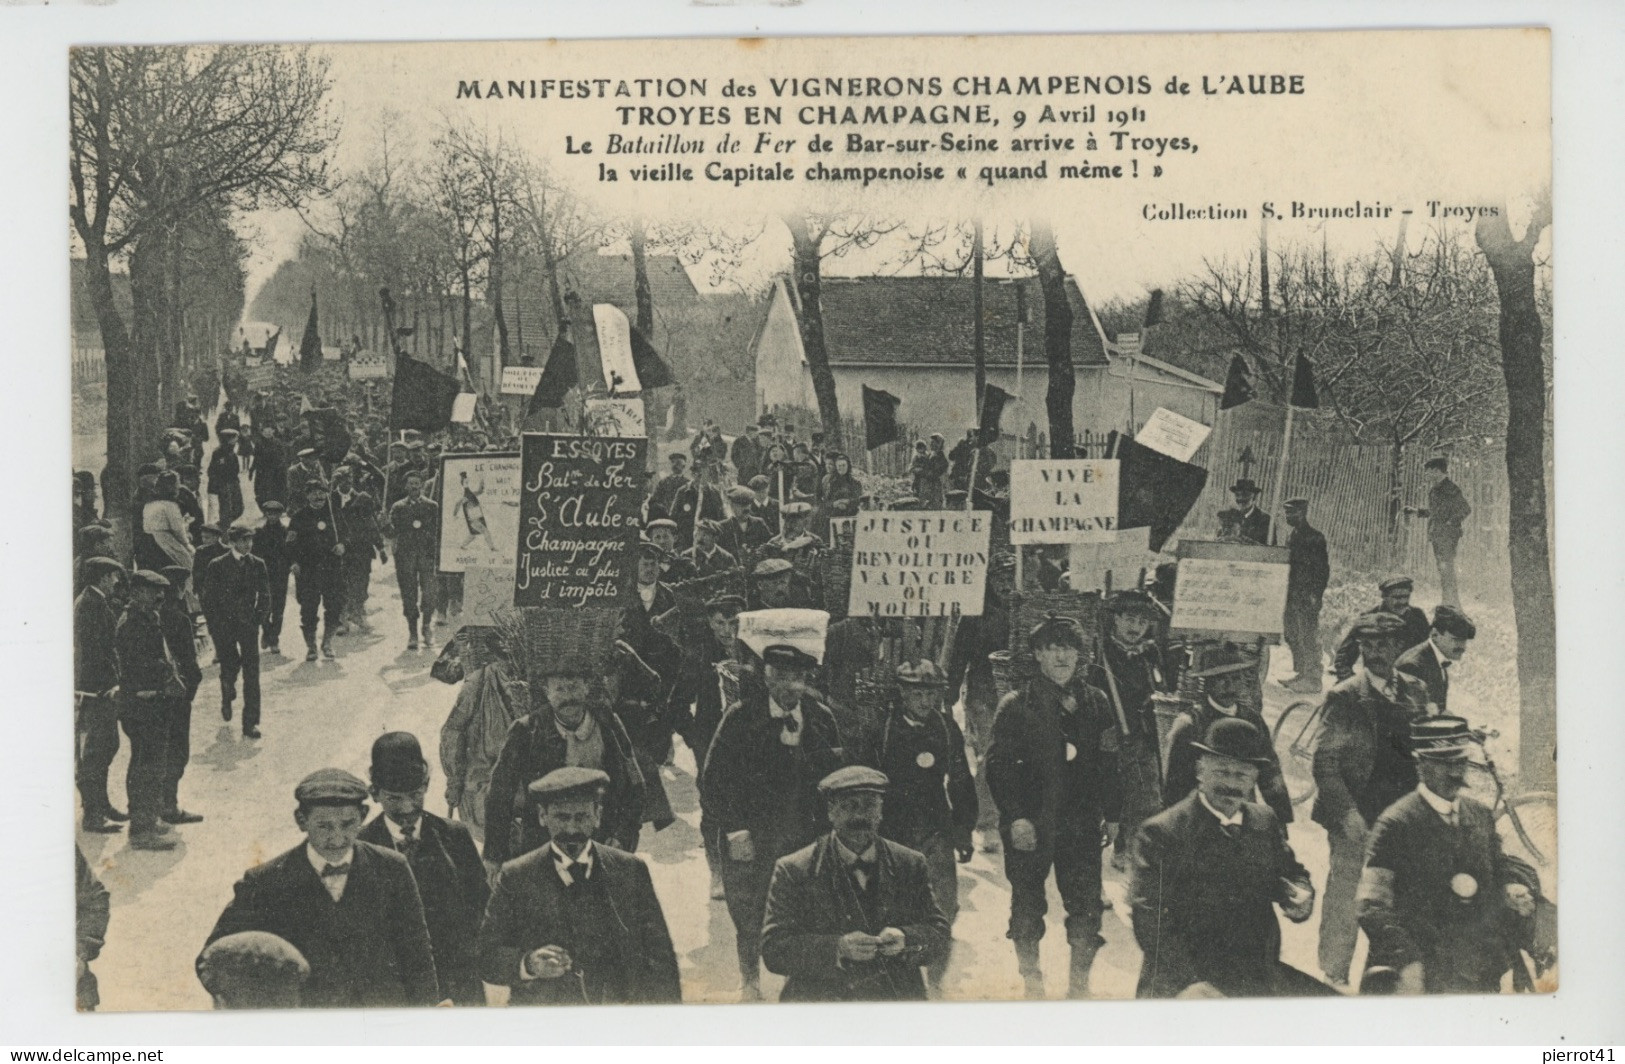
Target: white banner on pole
{"type": "Point", "coordinates": [930, 563]}
{"type": "Point", "coordinates": [1063, 500]}
{"type": "Point", "coordinates": [1174, 435]}
{"type": "Point", "coordinates": [1230, 587]}
{"type": "Point", "coordinates": [1123, 557]}
{"type": "Point", "coordinates": [615, 348]}
{"type": "Point", "coordinates": [462, 408]}
{"type": "Point", "coordinates": [520, 380]}
{"type": "Point", "coordinates": [617, 417]}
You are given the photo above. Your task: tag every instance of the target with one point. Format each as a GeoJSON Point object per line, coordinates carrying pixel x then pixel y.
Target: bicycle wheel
{"type": "Point", "coordinates": [1296, 732]}
{"type": "Point", "coordinates": [1528, 828]}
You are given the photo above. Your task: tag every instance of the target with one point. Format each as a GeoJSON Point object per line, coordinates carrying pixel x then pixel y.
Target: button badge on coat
{"type": "Point", "coordinates": [1071, 752]}
{"type": "Point", "coordinates": [926, 759]}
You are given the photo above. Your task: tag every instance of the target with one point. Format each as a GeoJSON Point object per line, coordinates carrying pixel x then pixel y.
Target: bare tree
{"type": "Point", "coordinates": [1057, 339]}
{"type": "Point", "coordinates": [1523, 364]}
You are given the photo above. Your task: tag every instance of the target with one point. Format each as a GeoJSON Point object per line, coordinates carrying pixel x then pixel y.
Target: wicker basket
{"type": "Point", "coordinates": [835, 580]}
{"type": "Point", "coordinates": [1011, 670]}
{"type": "Point", "coordinates": [479, 645]}
{"type": "Point", "coordinates": [692, 595]}
{"type": "Point", "coordinates": [568, 641]}
{"type": "Point", "coordinates": [1028, 609]}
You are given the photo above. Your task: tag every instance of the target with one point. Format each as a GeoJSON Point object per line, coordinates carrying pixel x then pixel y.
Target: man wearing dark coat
{"type": "Point", "coordinates": [760, 789]}
{"type": "Point", "coordinates": [1208, 872]}
{"type": "Point", "coordinates": [350, 908]}
{"type": "Point", "coordinates": [271, 547]}
{"type": "Point", "coordinates": [1309, 568]}
{"type": "Point", "coordinates": [665, 490]}
{"type": "Point", "coordinates": [1249, 521]}
{"type": "Point", "coordinates": [1396, 600]}
{"type": "Point", "coordinates": [444, 862]}
{"type": "Point", "coordinates": [852, 917]}
{"type": "Point", "coordinates": [270, 468]}
{"type": "Point", "coordinates": [743, 533]}
{"type": "Point", "coordinates": [1225, 678]}
{"type": "Point", "coordinates": [225, 478]}
{"type": "Point", "coordinates": [236, 603]}
{"type": "Point", "coordinates": [1053, 770]}
{"type": "Point", "coordinates": [92, 908]}
{"type": "Point", "coordinates": [747, 455]}
{"type": "Point", "coordinates": [577, 922]}
{"type": "Point", "coordinates": [1439, 900]}
{"type": "Point", "coordinates": [148, 686]}
{"type": "Point", "coordinates": [707, 558]}
{"type": "Point", "coordinates": [1447, 508]}
{"type": "Point", "coordinates": [316, 553]}
{"type": "Point", "coordinates": [95, 684]}
{"type": "Point", "coordinates": [1430, 661]}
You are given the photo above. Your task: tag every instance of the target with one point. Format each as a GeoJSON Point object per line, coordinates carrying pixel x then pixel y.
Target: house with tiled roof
{"type": "Point", "coordinates": [914, 337]}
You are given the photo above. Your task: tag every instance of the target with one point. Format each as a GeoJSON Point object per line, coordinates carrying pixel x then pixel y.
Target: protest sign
{"type": "Point", "coordinates": [1123, 557]}
{"type": "Point", "coordinates": [520, 380]}
{"type": "Point", "coordinates": [259, 375]}
{"type": "Point", "coordinates": [931, 563]}
{"type": "Point", "coordinates": [615, 417]}
{"type": "Point", "coordinates": [485, 591]}
{"type": "Point", "coordinates": [579, 513]}
{"type": "Point", "coordinates": [1174, 435]}
{"type": "Point", "coordinates": [463, 407]}
{"type": "Point", "coordinates": [366, 366]}
{"type": "Point", "coordinates": [1063, 500]}
{"type": "Point", "coordinates": [615, 348]}
{"type": "Point", "coordinates": [479, 512]}
{"type": "Point", "coordinates": [802, 629]}
{"type": "Point", "coordinates": [1230, 587]}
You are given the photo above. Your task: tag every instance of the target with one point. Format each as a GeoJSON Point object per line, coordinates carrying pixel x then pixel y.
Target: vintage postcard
{"type": "Point", "coordinates": [815, 520]}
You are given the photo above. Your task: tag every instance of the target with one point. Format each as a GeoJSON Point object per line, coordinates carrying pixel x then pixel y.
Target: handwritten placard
{"type": "Point", "coordinates": [1230, 587]}
{"type": "Point", "coordinates": [479, 512]}
{"type": "Point", "coordinates": [520, 380]}
{"type": "Point", "coordinates": [930, 563]}
{"type": "Point", "coordinates": [1123, 557]}
{"type": "Point", "coordinates": [485, 591]}
{"type": "Point", "coordinates": [615, 417]}
{"type": "Point", "coordinates": [1174, 435]}
{"type": "Point", "coordinates": [1063, 500]}
{"type": "Point", "coordinates": [259, 375]}
{"type": "Point", "coordinates": [366, 366]}
{"type": "Point", "coordinates": [615, 348]}
{"type": "Point", "coordinates": [579, 506]}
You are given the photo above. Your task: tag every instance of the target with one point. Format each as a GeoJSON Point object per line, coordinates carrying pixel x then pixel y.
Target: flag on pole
{"type": "Point", "coordinates": [652, 369]}
{"type": "Point", "coordinates": [310, 346]}
{"type": "Point", "coordinates": [879, 418]}
{"type": "Point", "coordinates": [270, 346]}
{"type": "Point", "coordinates": [558, 376]}
{"type": "Point", "coordinates": [1154, 490]}
{"type": "Point", "coordinates": [423, 397]}
{"type": "Point", "coordinates": [1303, 384]}
{"type": "Point", "coordinates": [1153, 309]}
{"type": "Point", "coordinates": [993, 400]}
{"type": "Point", "coordinates": [1237, 388]}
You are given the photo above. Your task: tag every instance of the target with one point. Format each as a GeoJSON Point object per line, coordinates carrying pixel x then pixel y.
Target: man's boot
{"type": "Point", "coordinates": [428, 639]}
{"type": "Point", "coordinates": [310, 646]}
{"type": "Point", "coordinates": [327, 643]}
{"type": "Point", "coordinates": [411, 633]}
{"type": "Point", "coordinates": [1032, 977]}
{"type": "Point", "coordinates": [1083, 959]}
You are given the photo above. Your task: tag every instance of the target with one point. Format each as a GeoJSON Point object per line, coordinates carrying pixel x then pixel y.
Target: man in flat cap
{"type": "Point", "coordinates": [1439, 899]}
{"type": "Point", "coordinates": [1130, 671]}
{"type": "Point", "coordinates": [698, 500]}
{"type": "Point", "coordinates": [212, 545]}
{"type": "Point", "coordinates": [1309, 569]}
{"type": "Point", "coordinates": [350, 908]}
{"type": "Point", "coordinates": [654, 596]}
{"type": "Point", "coordinates": [165, 539]}
{"type": "Point", "coordinates": [1208, 874]}
{"type": "Point", "coordinates": [95, 690]}
{"type": "Point", "coordinates": [444, 862]}
{"type": "Point", "coordinates": [253, 970]}
{"type": "Point", "coordinates": [744, 533]}
{"type": "Point", "coordinates": [931, 802]}
{"type": "Point", "coordinates": [148, 687]}
{"type": "Point", "coordinates": [180, 639]}
{"type": "Point", "coordinates": [225, 479]}
{"type": "Point", "coordinates": [271, 547]}
{"type": "Point", "coordinates": [765, 505]}
{"type": "Point", "coordinates": [852, 916]}
{"type": "Point", "coordinates": [1430, 661]}
{"type": "Point", "coordinates": [1447, 508]}
{"type": "Point", "coordinates": [316, 550]}
{"type": "Point", "coordinates": [577, 922]}
{"type": "Point", "coordinates": [662, 532]}
{"type": "Point", "coordinates": [1396, 600]}
{"type": "Point", "coordinates": [362, 539]}
{"type": "Point", "coordinates": [1226, 678]}
{"type": "Point", "coordinates": [415, 522]}
{"type": "Point", "coordinates": [760, 789]}
{"type": "Point", "coordinates": [236, 603]}
{"type": "Point", "coordinates": [268, 468]}
{"type": "Point", "coordinates": [664, 493]}
{"type": "Point", "coordinates": [706, 556]}
{"type": "Point", "coordinates": [308, 468]}
{"type": "Point", "coordinates": [797, 513]}
{"type": "Point", "coordinates": [1250, 523]}
{"type": "Point", "coordinates": [1052, 767]}
{"type": "Point", "coordinates": [1362, 765]}
{"type": "Point", "coordinates": [775, 584]}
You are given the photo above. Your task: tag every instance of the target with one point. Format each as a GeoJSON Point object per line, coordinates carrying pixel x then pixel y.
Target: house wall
{"type": "Point", "coordinates": [781, 371]}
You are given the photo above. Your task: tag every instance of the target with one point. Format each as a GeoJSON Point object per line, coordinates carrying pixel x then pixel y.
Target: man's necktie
{"type": "Point", "coordinates": [336, 870]}
{"type": "Point", "coordinates": [409, 839]}
{"type": "Point", "coordinates": [1232, 831]}
{"type": "Point", "coordinates": [577, 871]}
{"type": "Point", "coordinates": [863, 874]}
{"type": "Point", "coordinates": [1069, 703]}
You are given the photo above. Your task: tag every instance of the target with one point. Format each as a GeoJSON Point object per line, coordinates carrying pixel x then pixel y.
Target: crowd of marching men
{"type": "Point", "coordinates": [838, 790]}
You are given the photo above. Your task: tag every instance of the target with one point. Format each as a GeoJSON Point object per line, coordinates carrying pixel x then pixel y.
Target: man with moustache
{"type": "Point", "coordinates": [577, 922]}
{"type": "Point", "coordinates": [1431, 661]}
{"type": "Point", "coordinates": [444, 862]}
{"type": "Point", "coordinates": [1226, 678]}
{"type": "Point", "coordinates": [1396, 600]}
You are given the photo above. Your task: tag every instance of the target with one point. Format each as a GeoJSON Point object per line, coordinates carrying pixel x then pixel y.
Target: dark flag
{"type": "Point", "coordinates": [879, 418]}
{"type": "Point", "coordinates": [993, 400]}
{"type": "Point", "coordinates": [1237, 388]}
{"type": "Point", "coordinates": [270, 346]}
{"type": "Point", "coordinates": [1153, 309]}
{"type": "Point", "coordinates": [558, 376]}
{"type": "Point", "coordinates": [310, 347]}
{"type": "Point", "coordinates": [652, 369]}
{"type": "Point", "coordinates": [1303, 385]}
{"type": "Point", "coordinates": [422, 398]}
{"type": "Point", "coordinates": [1153, 490]}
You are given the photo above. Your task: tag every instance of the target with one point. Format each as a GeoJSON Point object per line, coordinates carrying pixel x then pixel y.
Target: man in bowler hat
{"type": "Point", "coordinates": [577, 922]}
{"type": "Point", "coordinates": [852, 917]}
{"type": "Point", "coordinates": [444, 862]}
{"type": "Point", "coordinates": [1208, 873]}
{"type": "Point", "coordinates": [1246, 518]}
{"type": "Point", "coordinates": [350, 908]}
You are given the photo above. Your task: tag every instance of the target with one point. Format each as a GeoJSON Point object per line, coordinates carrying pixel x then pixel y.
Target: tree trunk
{"type": "Point", "coordinates": [1523, 364]}
{"type": "Point", "coordinates": [640, 281]}
{"type": "Point", "coordinates": [1057, 341]}
{"type": "Point", "coordinates": [468, 310]}
{"type": "Point", "coordinates": [807, 280]}
{"type": "Point", "coordinates": [149, 316]}
{"type": "Point", "coordinates": [498, 276]}
{"type": "Point", "coordinates": [117, 477]}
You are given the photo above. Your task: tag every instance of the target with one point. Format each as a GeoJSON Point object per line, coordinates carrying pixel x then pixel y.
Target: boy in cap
{"type": "Point", "coordinates": [1396, 601]}
{"type": "Point", "coordinates": [653, 595]}
{"type": "Point", "coordinates": [1208, 873]}
{"type": "Point", "coordinates": [148, 687]}
{"type": "Point", "coordinates": [95, 687]}
{"type": "Point", "coordinates": [180, 638]}
{"type": "Point", "coordinates": [577, 922]}
{"type": "Point", "coordinates": [236, 602]}
{"type": "Point", "coordinates": [1226, 679]}
{"type": "Point", "coordinates": [1430, 661]}
{"type": "Point", "coordinates": [271, 547]}
{"type": "Point", "coordinates": [931, 802]}
{"type": "Point", "coordinates": [1053, 770]}
{"type": "Point", "coordinates": [662, 532]}
{"type": "Point", "coordinates": [760, 788]}
{"type": "Point", "coordinates": [868, 897]}
{"type": "Point", "coordinates": [316, 551]}
{"type": "Point", "coordinates": [252, 970]}
{"type": "Point", "coordinates": [1249, 522]}
{"type": "Point", "coordinates": [415, 523]}
{"type": "Point", "coordinates": [1439, 899]}
{"type": "Point", "coordinates": [445, 864]}
{"type": "Point", "coordinates": [350, 908]}
{"type": "Point", "coordinates": [1308, 571]}
{"type": "Point", "coordinates": [1362, 765]}
{"type": "Point", "coordinates": [1447, 508]}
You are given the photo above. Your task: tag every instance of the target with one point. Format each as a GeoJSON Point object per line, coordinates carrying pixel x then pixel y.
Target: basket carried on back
{"type": "Point", "coordinates": [479, 645]}
{"type": "Point", "coordinates": [1011, 670]}
{"type": "Point", "coordinates": [1029, 608]}
{"type": "Point", "coordinates": [568, 642]}
{"type": "Point", "coordinates": [692, 595]}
